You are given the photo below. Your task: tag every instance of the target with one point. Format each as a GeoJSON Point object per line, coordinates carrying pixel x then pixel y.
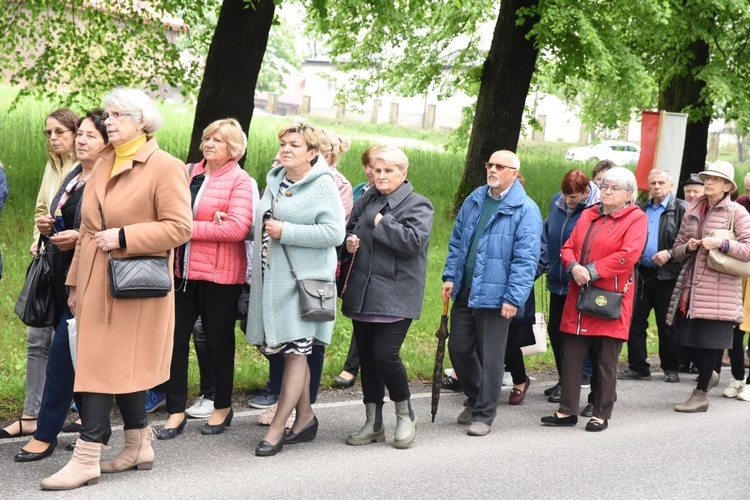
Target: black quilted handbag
{"type": "Point", "coordinates": [138, 277]}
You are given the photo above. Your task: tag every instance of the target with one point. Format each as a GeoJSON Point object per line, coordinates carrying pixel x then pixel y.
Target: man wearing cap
{"type": "Point", "coordinates": [657, 273]}
{"type": "Point", "coordinates": [692, 188]}
{"type": "Point", "coordinates": [489, 272]}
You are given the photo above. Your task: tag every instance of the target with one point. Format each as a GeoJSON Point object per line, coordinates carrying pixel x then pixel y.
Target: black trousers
{"type": "Point", "coordinates": [96, 409]}
{"type": "Point", "coordinates": [556, 337]}
{"type": "Point", "coordinates": [513, 356]}
{"type": "Point", "coordinates": [737, 355]}
{"type": "Point", "coordinates": [216, 305]}
{"type": "Point", "coordinates": [352, 358]}
{"type": "Point", "coordinates": [652, 293]}
{"type": "Point", "coordinates": [379, 346]}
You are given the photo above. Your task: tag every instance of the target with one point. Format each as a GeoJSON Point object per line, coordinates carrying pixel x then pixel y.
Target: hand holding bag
{"type": "Point", "coordinates": [722, 262]}
{"type": "Point", "coordinates": [600, 303]}
{"type": "Point", "coordinates": [317, 299]}
{"type": "Point", "coordinates": [36, 305]}
{"type": "Point", "coordinates": [138, 277]}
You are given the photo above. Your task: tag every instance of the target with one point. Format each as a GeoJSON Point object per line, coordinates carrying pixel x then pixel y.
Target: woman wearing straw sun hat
{"type": "Point", "coordinates": [706, 304]}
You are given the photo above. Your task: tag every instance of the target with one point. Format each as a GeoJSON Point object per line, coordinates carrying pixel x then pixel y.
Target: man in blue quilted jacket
{"type": "Point", "coordinates": [489, 273]}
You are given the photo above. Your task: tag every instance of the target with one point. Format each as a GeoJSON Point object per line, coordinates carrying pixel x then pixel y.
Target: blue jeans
{"type": "Point", "coordinates": [58, 385]}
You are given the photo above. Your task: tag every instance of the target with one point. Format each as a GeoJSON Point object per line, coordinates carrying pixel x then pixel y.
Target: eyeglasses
{"type": "Point", "coordinates": [115, 116]}
{"type": "Point", "coordinates": [710, 179]}
{"type": "Point", "coordinates": [58, 132]}
{"type": "Point", "coordinates": [497, 166]}
{"type": "Point", "coordinates": [614, 189]}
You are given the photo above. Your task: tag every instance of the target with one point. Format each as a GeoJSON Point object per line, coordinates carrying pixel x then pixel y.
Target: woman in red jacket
{"type": "Point", "coordinates": [602, 252]}
{"type": "Point", "coordinates": [210, 270]}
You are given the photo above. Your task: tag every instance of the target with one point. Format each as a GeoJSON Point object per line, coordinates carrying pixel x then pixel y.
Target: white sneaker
{"type": "Point", "coordinates": [507, 379]}
{"type": "Point", "coordinates": [202, 408]}
{"type": "Point", "coordinates": [745, 394]}
{"type": "Point", "coordinates": [734, 389]}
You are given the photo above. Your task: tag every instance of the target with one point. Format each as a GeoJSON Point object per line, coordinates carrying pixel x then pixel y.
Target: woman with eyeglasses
{"type": "Point", "coordinates": [61, 225]}
{"type": "Point", "coordinates": [137, 204]}
{"type": "Point", "coordinates": [706, 304]}
{"type": "Point", "coordinates": [60, 129]}
{"type": "Point", "coordinates": [601, 253]}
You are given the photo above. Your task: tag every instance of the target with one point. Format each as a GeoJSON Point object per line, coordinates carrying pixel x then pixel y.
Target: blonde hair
{"type": "Point", "coordinates": [333, 144]}
{"type": "Point", "coordinates": [308, 132]}
{"type": "Point", "coordinates": [231, 131]}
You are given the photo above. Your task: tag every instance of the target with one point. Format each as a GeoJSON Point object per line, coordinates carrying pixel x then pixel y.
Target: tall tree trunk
{"type": "Point", "coordinates": [506, 77]}
{"type": "Point", "coordinates": [232, 67]}
{"type": "Point", "coordinates": [686, 94]}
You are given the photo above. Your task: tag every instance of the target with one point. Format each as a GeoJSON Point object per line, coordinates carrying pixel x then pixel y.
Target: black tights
{"type": "Point", "coordinates": [708, 361]}
{"type": "Point", "coordinates": [96, 408]}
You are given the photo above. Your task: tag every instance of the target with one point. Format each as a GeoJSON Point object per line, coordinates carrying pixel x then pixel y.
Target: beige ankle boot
{"type": "Point", "coordinates": [697, 402]}
{"type": "Point", "coordinates": [373, 430]}
{"type": "Point", "coordinates": [406, 425]}
{"type": "Point", "coordinates": [83, 468]}
{"type": "Point", "coordinates": [137, 452]}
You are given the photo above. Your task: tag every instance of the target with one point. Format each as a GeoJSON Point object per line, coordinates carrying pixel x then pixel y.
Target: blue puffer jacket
{"type": "Point", "coordinates": [557, 229]}
{"type": "Point", "coordinates": [507, 254]}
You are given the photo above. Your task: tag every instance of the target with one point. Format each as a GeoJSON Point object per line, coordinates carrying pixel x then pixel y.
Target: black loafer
{"type": "Point", "coordinates": [307, 433]}
{"type": "Point", "coordinates": [451, 384]}
{"type": "Point", "coordinates": [27, 456]}
{"type": "Point", "coordinates": [556, 395]}
{"type": "Point", "coordinates": [165, 433]}
{"type": "Point", "coordinates": [266, 449]}
{"type": "Point", "coordinates": [550, 390]}
{"type": "Point", "coordinates": [588, 411]}
{"type": "Point", "coordinates": [70, 446]}
{"type": "Point", "coordinates": [72, 427]}
{"type": "Point", "coordinates": [555, 421]}
{"type": "Point", "coordinates": [346, 383]}
{"type": "Point", "coordinates": [628, 374]}
{"type": "Point", "coordinates": [596, 426]}
{"type": "Point", "coordinates": [212, 430]}
{"type": "Point", "coordinates": [672, 377]}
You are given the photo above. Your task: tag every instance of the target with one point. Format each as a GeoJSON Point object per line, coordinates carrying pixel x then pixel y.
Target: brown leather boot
{"type": "Point", "coordinates": [83, 468]}
{"type": "Point", "coordinates": [697, 402]}
{"type": "Point", "coordinates": [137, 453]}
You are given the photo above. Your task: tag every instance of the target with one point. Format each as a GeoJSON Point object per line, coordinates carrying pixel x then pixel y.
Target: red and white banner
{"type": "Point", "coordinates": [662, 144]}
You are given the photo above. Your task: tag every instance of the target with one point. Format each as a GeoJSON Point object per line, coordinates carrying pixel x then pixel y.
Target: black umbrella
{"type": "Point", "coordinates": [437, 374]}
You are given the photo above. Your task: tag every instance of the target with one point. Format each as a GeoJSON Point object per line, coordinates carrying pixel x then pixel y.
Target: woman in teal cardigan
{"type": "Point", "coordinates": [301, 210]}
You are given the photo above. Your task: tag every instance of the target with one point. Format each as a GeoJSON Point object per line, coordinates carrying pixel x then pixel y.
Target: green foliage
{"type": "Point", "coordinates": [281, 60]}
{"type": "Point", "coordinates": [74, 52]}
{"type": "Point", "coordinates": [409, 45]}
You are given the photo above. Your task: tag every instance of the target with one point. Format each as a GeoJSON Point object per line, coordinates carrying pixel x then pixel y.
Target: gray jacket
{"type": "Point", "coordinates": [388, 274]}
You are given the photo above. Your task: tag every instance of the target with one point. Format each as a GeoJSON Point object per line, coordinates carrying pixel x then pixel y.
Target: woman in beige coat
{"type": "Point", "coordinates": [140, 195]}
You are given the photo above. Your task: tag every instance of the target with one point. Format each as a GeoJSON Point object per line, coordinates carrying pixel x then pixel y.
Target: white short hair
{"type": "Point", "coordinates": [137, 103]}
{"type": "Point", "coordinates": [622, 177]}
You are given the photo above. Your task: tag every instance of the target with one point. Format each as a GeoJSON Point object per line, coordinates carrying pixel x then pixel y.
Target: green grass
{"type": "Point", "coordinates": [434, 175]}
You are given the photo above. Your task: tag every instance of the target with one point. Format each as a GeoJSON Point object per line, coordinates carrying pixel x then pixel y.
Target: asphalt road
{"type": "Point", "coordinates": [648, 452]}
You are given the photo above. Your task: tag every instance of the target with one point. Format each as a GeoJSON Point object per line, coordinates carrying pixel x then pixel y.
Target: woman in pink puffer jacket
{"type": "Point", "coordinates": [706, 304]}
{"type": "Point", "coordinates": [210, 269]}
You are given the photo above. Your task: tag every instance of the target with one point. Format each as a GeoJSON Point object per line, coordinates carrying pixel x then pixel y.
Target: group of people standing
{"type": "Point", "coordinates": [220, 233]}
{"type": "Point", "coordinates": [214, 227]}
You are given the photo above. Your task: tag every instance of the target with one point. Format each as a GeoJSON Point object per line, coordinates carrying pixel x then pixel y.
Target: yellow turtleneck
{"type": "Point", "coordinates": [125, 153]}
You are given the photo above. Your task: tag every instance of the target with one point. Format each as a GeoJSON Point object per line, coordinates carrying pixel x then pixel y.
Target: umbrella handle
{"type": "Point", "coordinates": [445, 306]}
